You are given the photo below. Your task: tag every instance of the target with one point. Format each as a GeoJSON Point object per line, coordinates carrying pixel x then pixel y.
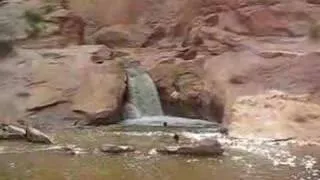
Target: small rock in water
{"type": "Point", "coordinates": [205, 148]}
{"type": "Point", "coordinates": [115, 149]}
{"type": "Point", "coordinates": [153, 152]}
{"type": "Point", "coordinates": [36, 136]}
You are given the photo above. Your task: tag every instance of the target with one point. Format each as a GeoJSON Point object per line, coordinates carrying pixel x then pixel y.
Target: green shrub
{"type": "Point", "coordinates": [35, 22]}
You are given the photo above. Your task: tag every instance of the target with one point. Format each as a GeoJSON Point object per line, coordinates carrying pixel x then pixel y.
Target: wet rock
{"type": "Point", "coordinates": [72, 150]}
{"type": "Point", "coordinates": [16, 130]}
{"type": "Point", "coordinates": [204, 148]}
{"type": "Point", "coordinates": [116, 149]}
{"type": "Point", "coordinates": [36, 136]}
{"type": "Point", "coordinates": [194, 98]}
{"type": "Point", "coordinates": [122, 36]}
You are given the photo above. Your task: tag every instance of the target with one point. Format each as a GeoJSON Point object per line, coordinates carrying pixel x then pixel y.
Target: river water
{"type": "Point", "coordinates": [243, 159]}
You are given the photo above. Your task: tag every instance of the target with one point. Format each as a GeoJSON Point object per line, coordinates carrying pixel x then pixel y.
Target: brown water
{"type": "Point", "coordinates": [242, 160]}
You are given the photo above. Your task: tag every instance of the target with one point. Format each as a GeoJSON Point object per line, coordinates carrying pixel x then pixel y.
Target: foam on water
{"type": "Point", "coordinates": [276, 152]}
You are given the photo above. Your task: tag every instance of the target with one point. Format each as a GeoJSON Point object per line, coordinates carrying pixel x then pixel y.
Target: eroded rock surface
{"type": "Point", "coordinates": [184, 92]}
{"type": "Point", "coordinates": [70, 76]}
{"type": "Point", "coordinates": [275, 114]}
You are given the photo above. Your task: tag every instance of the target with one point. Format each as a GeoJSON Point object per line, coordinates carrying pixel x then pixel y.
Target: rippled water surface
{"type": "Point", "coordinates": [243, 159]}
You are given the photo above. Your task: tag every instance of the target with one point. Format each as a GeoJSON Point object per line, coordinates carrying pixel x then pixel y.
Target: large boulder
{"type": "Point", "coordinates": [69, 76]}
{"type": "Point", "coordinates": [202, 148]}
{"type": "Point", "coordinates": [184, 91]}
{"type": "Point", "coordinates": [275, 114]}
{"type": "Point", "coordinates": [100, 93]}
{"type": "Point", "coordinates": [122, 35]}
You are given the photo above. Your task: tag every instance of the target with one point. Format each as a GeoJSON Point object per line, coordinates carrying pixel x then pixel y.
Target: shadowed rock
{"type": "Point", "coordinates": [5, 47]}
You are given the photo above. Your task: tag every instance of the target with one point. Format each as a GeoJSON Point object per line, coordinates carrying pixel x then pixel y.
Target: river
{"type": "Point", "coordinates": [243, 159]}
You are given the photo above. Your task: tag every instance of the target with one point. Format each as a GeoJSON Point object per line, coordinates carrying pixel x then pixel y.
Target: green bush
{"type": "Point", "coordinates": [35, 22]}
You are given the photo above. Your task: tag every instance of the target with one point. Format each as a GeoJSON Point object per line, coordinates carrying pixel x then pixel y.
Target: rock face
{"type": "Point", "coordinates": [100, 94]}
{"type": "Point", "coordinates": [69, 76]}
{"type": "Point", "coordinates": [185, 93]}
{"type": "Point", "coordinates": [275, 115]}
{"type": "Point", "coordinates": [36, 136]}
{"type": "Point", "coordinates": [115, 149]}
{"type": "Point", "coordinates": [122, 36]}
{"type": "Point", "coordinates": [203, 148]}
{"type": "Point", "coordinates": [263, 21]}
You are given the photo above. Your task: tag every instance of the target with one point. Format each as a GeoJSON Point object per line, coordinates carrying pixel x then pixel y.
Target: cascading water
{"type": "Point", "coordinates": [144, 106]}
{"type": "Point", "coordinates": [143, 95]}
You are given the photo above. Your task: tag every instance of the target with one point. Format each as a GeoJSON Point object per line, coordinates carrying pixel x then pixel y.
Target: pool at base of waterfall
{"type": "Point", "coordinates": [242, 159]}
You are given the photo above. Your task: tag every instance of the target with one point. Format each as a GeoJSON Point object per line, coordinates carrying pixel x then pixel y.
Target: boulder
{"type": "Point", "coordinates": [100, 94]}
{"type": "Point", "coordinates": [116, 149]}
{"type": "Point", "coordinates": [184, 91]}
{"type": "Point", "coordinates": [69, 77]}
{"type": "Point", "coordinates": [203, 148]}
{"type": "Point", "coordinates": [36, 136]}
{"type": "Point", "coordinates": [122, 36]}
{"type": "Point", "coordinates": [275, 114]}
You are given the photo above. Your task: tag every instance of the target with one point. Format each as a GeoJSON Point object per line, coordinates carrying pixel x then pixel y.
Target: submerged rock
{"type": "Point", "coordinates": [115, 149]}
{"type": "Point", "coordinates": [36, 136]}
{"type": "Point", "coordinates": [203, 148]}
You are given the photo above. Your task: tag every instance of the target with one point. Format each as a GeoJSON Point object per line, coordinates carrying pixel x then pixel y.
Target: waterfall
{"type": "Point", "coordinates": [144, 107]}
{"type": "Point", "coordinates": [143, 95]}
